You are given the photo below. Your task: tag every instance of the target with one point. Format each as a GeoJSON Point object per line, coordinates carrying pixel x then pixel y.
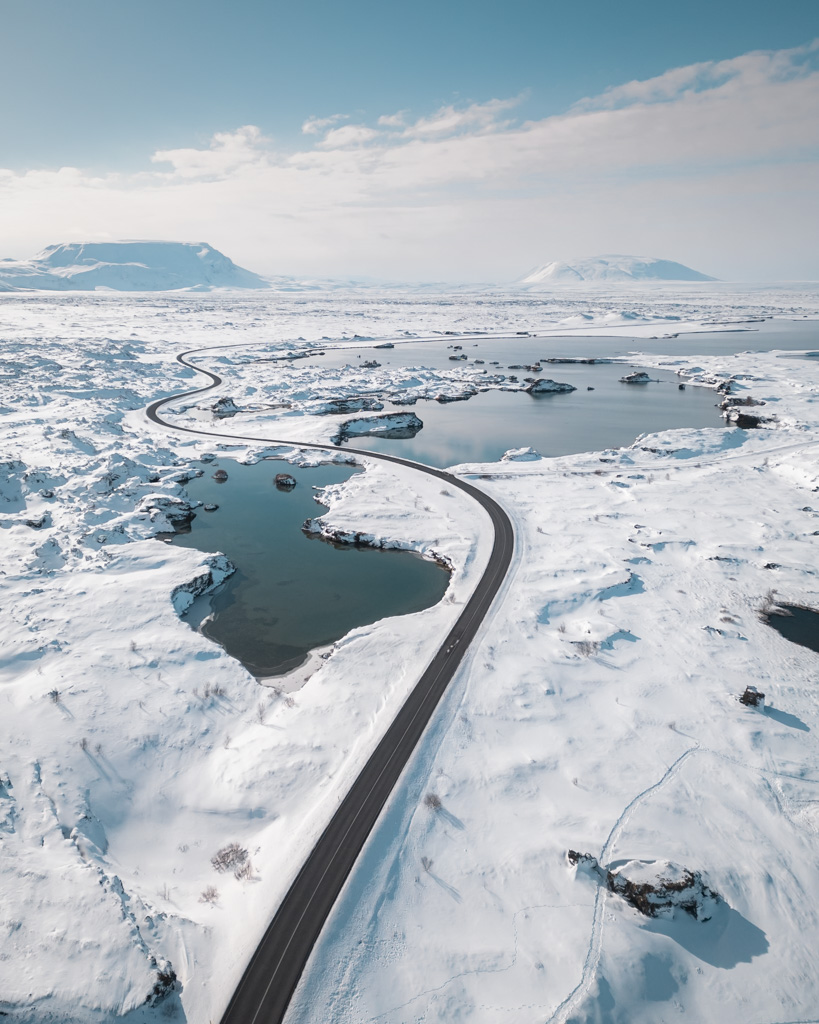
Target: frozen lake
{"type": "Point", "coordinates": [292, 593]}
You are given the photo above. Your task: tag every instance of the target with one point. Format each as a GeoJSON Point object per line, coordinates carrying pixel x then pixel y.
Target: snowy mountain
{"type": "Point", "coordinates": [593, 269]}
{"type": "Point", "coordinates": [127, 266]}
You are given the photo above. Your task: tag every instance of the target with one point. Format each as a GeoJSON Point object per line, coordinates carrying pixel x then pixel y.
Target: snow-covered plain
{"type": "Point", "coordinates": [598, 711]}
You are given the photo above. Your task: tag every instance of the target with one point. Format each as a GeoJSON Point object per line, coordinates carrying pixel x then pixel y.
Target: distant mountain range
{"type": "Point", "coordinates": [150, 266]}
{"type": "Point", "coordinates": [127, 267]}
{"type": "Point", "coordinates": [594, 269]}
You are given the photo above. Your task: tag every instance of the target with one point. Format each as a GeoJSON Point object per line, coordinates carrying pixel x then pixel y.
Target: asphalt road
{"type": "Point", "coordinates": [267, 986]}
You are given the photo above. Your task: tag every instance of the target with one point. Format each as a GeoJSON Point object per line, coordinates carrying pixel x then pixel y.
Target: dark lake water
{"type": "Point", "coordinates": [610, 416]}
{"type": "Point", "coordinates": [292, 593]}
{"type": "Point", "coordinates": [757, 336]}
{"type": "Point", "coordinates": [799, 625]}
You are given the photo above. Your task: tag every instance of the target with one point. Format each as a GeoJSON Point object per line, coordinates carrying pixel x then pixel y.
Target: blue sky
{"type": "Point", "coordinates": [104, 87]}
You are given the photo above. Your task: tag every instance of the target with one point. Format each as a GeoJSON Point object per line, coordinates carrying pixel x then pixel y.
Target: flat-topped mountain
{"type": "Point", "coordinates": [127, 266]}
{"type": "Point", "coordinates": [594, 269]}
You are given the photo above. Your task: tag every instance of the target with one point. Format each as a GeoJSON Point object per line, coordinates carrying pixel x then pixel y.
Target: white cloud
{"type": "Point", "coordinates": [227, 152]}
{"type": "Point", "coordinates": [349, 135]}
{"type": "Point", "coordinates": [750, 69]}
{"type": "Point", "coordinates": [477, 117]}
{"type": "Point", "coordinates": [397, 120]}
{"type": "Point", "coordinates": [316, 125]}
{"type": "Point", "coordinates": [715, 164]}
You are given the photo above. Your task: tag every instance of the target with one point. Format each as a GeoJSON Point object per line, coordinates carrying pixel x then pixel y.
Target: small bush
{"type": "Point", "coordinates": [244, 872]}
{"type": "Point", "coordinates": [433, 801]}
{"type": "Point", "coordinates": [231, 856]}
{"type": "Point", "coordinates": [209, 895]}
{"type": "Point", "coordinates": [54, 696]}
{"type": "Point", "coordinates": [587, 647]}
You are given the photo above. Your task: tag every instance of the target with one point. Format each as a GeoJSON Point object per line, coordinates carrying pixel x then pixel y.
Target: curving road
{"type": "Point", "coordinates": [264, 992]}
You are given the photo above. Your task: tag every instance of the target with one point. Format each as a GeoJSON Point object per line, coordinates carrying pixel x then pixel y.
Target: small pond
{"type": "Point", "coordinates": [797, 624]}
{"type": "Point", "coordinates": [291, 592]}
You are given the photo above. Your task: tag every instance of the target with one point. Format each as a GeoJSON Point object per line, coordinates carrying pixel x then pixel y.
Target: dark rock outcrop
{"type": "Point", "coordinates": [752, 697]}
{"type": "Point", "coordinates": [223, 408]}
{"type": "Point", "coordinates": [342, 405]}
{"type": "Point", "coordinates": [654, 888]}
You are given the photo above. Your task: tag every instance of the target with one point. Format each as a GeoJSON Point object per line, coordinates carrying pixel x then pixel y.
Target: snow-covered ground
{"type": "Point", "coordinates": [598, 712]}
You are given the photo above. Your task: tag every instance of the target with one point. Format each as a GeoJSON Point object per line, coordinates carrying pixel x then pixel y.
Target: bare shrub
{"type": "Point", "coordinates": [209, 895]}
{"type": "Point", "coordinates": [213, 690]}
{"type": "Point", "coordinates": [261, 711]}
{"type": "Point", "coordinates": [231, 856]}
{"type": "Point", "coordinates": [562, 627]}
{"type": "Point", "coordinates": [426, 863]}
{"type": "Point", "coordinates": [433, 801]}
{"type": "Point", "coordinates": [84, 743]}
{"type": "Point", "coordinates": [244, 872]}
{"type": "Point", "coordinates": [54, 696]}
{"type": "Point", "coordinates": [587, 647]}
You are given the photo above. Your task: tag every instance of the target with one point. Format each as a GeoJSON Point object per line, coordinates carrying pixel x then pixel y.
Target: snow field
{"type": "Point", "coordinates": [158, 750]}
{"type": "Point", "coordinates": [600, 713]}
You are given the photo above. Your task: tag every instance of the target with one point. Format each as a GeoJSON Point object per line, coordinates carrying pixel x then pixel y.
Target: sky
{"type": "Point", "coordinates": [461, 140]}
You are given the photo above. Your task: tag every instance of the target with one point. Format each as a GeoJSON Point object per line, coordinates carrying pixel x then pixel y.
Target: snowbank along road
{"type": "Point", "coordinates": [273, 973]}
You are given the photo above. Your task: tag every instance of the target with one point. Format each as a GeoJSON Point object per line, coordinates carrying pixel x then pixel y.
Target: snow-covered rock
{"type": "Point", "coordinates": [638, 377]}
{"type": "Point", "coordinates": [128, 266]}
{"type": "Point", "coordinates": [166, 508]}
{"type": "Point", "coordinates": [521, 455]}
{"type": "Point", "coordinates": [611, 268]}
{"type": "Point", "coordinates": [658, 888]}
{"type": "Point", "coordinates": [543, 386]}
{"type": "Point", "coordinates": [393, 424]}
{"type": "Point", "coordinates": [224, 407]}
